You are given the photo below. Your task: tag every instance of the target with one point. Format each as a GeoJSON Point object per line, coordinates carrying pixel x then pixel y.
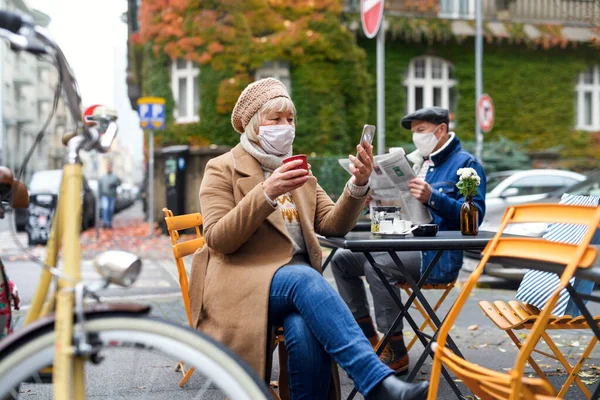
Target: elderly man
{"type": "Point", "coordinates": [437, 158]}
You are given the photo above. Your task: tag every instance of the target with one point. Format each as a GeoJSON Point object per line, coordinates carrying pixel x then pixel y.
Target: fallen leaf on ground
{"type": "Point", "coordinates": [584, 374]}
{"type": "Point", "coordinates": [473, 327]}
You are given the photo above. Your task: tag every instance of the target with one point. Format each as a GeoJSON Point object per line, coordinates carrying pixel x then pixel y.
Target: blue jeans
{"type": "Point", "coordinates": [318, 326]}
{"type": "Point", "coordinates": [108, 209]}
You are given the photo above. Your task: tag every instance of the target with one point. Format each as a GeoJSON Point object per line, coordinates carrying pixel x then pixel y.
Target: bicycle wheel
{"type": "Point", "coordinates": [138, 356]}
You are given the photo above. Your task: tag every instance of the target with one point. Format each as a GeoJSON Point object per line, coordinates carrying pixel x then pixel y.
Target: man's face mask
{"type": "Point", "coordinates": [425, 142]}
{"type": "Point", "coordinates": [276, 139]}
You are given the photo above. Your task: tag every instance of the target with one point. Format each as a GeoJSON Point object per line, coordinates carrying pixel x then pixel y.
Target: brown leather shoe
{"type": "Point", "coordinates": [397, 362]}
{"type": "Point", "coordinates": [374, 340]}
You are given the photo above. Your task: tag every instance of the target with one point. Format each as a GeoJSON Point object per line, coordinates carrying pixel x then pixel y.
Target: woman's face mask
{"type": "Point", "coordinates": [425, 142]}
{"type": "Point", "coordinates": [276, 139]}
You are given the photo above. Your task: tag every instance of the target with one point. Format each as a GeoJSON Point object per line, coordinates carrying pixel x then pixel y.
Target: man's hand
{"type": "Point", "coordinates": [285, 179]}
{"type": "Point", "coordinates": [362, 167]}
{"type": "Point", "coordinates": [420, 190]}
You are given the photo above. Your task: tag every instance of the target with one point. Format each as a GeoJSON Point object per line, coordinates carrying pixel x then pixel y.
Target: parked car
{"type": "Point", "coordinates": [47, 183]}
{"type": "Point", "coordinates": [589, 186]}
{"type": "Point", "coordinates": [508, 188]}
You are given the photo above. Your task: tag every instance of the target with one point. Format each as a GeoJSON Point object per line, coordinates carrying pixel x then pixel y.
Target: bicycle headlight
{"type": "Point", "coordinates": [118, 267]}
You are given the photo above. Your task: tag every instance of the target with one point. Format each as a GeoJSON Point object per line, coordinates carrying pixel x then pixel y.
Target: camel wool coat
{"type": "Point", "coordinates": [246, 243]}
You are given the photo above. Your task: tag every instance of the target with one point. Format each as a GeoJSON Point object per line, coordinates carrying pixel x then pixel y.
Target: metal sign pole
{"type": "Point", "coordinates": [97, 196]}
{"type": "Point", "coordinates": [478, 77]}
{"type": "Point", "coordinates": [150, 188]}
{"type": "Point", "coordinates": [381, 89]}
{"type": "Point", "coordinates": [152, 116]}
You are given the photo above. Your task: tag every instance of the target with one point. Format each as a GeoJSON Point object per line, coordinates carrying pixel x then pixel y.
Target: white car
{"type": "Point", "coordinates": [586, 186]}
{"type": "Point", "coordinates": [509, 188]}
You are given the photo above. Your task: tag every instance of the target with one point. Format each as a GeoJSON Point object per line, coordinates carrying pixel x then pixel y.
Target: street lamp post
{"type": "Point", "coordinates": [478, 77]}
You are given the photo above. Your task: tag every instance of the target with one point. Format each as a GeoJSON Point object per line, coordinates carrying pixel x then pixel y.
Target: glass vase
{"type": "Point", "coordinates": [469, 217]}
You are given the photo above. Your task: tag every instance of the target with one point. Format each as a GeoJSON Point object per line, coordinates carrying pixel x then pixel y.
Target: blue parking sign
{"type": "Point", "coordinates": [152, 112]}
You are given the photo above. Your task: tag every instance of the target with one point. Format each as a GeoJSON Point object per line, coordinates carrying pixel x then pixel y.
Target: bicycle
{"type": "Point", "coordinates": [65, 347]}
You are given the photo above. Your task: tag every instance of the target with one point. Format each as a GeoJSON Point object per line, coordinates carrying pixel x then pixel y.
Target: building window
{"type": "Point", "coordinates": [588, 99]}
{"type": "Point", "coordinates": [276, 69]}
{"type": "Point", "coordinates": [184, 85]}
{"type": "Point", "coordinates": [430, 82]}
{"type": "Point", "coordinates": [458, 9]}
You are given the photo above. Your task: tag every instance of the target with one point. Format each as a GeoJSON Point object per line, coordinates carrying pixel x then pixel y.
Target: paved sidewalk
{"type": "Point", "coordinates": [479, 340]}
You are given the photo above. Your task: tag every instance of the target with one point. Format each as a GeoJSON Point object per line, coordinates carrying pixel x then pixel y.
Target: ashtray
{"type": "Point", "coordinates": [426, 230]}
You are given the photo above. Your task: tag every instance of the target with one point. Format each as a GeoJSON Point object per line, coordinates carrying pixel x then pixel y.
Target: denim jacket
{"type": "Point", "coordinates": [445, 203]}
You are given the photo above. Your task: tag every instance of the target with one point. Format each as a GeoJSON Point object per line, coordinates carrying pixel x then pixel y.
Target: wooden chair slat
{"type": "Point", "coordinates": [495, 315]}
{"type": "Point", "coordinates": [508, 313]}
{"type": "Point", "coordinates": [189, 247]}
{"type": "Point", "coordinates": [553, 213]}
{"type": "Point", "coordinates": [541, 250]}
{"type": "Point", "coordinates": [518, 308]}
{"type": "Point", "coordinates": [181, 222]}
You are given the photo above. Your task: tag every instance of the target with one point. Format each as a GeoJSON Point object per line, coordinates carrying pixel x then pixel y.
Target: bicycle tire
{"type": "Point", "coordinates": [197, 350]}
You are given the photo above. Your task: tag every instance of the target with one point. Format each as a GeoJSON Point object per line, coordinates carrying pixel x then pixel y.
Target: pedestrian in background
{"type": "Point", "coordinates": [144, 194]}
{"type": "Point", "coordinates": [108, 185]}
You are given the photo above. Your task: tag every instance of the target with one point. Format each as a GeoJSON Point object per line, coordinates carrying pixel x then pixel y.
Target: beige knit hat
{"type": "Point", "coordinates": [253, 98]}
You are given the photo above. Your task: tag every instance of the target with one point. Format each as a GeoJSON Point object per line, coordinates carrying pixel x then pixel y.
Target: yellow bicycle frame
{"type": "Point", "coordinates": [68, 369]}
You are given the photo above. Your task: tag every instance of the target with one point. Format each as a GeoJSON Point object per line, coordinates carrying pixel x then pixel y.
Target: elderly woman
{"type": "Point", "coordinates": [261, 266]}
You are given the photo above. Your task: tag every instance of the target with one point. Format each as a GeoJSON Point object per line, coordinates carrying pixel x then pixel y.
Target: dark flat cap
{"type": "Point", "coordinates": [435, 115]}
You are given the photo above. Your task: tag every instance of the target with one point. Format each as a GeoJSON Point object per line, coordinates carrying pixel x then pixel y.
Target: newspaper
{"type": "Point", "coordinates": [389, 185]}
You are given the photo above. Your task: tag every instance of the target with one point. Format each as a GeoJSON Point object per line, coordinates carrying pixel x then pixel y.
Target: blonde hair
{"type": "Point", "coordinates": [278, 104]}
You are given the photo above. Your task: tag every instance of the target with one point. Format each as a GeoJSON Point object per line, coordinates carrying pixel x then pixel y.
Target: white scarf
{"type": "Point", "coordinates": [268, 162]}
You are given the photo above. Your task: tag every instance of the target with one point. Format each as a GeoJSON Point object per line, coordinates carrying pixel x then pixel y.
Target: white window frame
{"type": "Point", "coordinates": [278, 70]}
{"type": "Point", "coordinates": [455, 11]}
{"type": "Point", "coordinates": [581, 89]}
{"type": "Point", "coordinates": [428, 83]}
{"type": "Point", "coordinates": [189, 72]}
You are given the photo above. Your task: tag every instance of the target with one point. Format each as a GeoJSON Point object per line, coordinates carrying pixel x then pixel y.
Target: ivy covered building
{"type": "Point", "coordinates": [541, 66]}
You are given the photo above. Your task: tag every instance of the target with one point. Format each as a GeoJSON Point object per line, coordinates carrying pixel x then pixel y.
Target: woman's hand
{"type": "Point", "coordinates": [362, 167]}
{"type": "Point", "coordinates": [285, 179]}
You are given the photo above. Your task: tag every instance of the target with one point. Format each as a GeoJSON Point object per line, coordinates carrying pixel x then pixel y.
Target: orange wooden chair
{"type": "Point", "coordinates": [186, 248]}
{"type": "Point", "coordinates": [489, 384]}
{"type": "Point", "coordinates": [180, 250]}
{"type": "Point", "coordinates": [444, 287]}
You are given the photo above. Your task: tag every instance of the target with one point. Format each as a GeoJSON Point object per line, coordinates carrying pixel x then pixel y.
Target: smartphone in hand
{"type": "Point", "coordinates": [367, 136]}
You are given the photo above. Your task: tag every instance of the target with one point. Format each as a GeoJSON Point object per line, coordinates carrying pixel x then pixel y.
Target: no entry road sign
{"type": "Point", "coordinates": [485, 113]}
{"type": "Point", "coordinates": [371, 15]}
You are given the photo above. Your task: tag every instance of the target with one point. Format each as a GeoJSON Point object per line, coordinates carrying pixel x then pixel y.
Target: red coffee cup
{"type": "Point", "coordinates": [302, 157]}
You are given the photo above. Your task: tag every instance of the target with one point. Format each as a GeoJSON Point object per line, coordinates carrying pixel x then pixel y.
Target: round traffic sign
{"type": "Point", "coordinates": [485, 113]}
{"type": "Point", "coordinates": [371, 15]}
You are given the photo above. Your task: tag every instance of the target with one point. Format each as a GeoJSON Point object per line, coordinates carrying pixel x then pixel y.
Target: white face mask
{"type": "Point", "coordinates": [276, 139]}
{"type": "Point", "coordinates": [425, 142]}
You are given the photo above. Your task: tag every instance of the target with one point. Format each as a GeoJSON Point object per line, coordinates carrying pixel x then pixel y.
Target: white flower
{"type": "Point", "coordinates": [468, 174]}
